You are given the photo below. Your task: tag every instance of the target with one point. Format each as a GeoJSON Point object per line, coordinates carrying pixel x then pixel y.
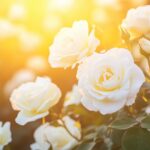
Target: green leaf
{"type": "Point", "coordinates": [101, 130]}
{"type": "Point", "coordinates": [146, 123]}
{"type": "Point", "coordinates": [116, 137]}
{"type": "Point", "coordinates": [86, 146]}
{"type": "Point", "coordinates": [89, 129]}
{"type": "Point", "coordinates": [136, 139]}
{"type": "Point", "coordinates": [90, 136]}
{"type": "Point", "coordinates": [100, 146]}
{"type": "Point", "coordinates": [141, 117]}
{"type": "Point", "coordinates": [123, 123]}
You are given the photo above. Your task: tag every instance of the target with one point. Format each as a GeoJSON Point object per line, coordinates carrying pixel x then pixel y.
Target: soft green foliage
{"type": "Point", "coordinates": [146, 122]}
{"type": "Point", "coordinates": [136, 139]}
{"type": "Point", "coordinates": [123, 123]}
{"type": "Point", "coordinates": [86, 146]}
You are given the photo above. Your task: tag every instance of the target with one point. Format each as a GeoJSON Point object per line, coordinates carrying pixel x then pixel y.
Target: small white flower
{"type": "Point", "coordinates": [5, 134]}
{"type": "Point", "coordinates": [71, 45]}
{"type": "Point", "coordinates": [137, 21]}
{"type": "Point", "coordinates": [109, 81]}
{"type": "Point", "coordinates": [73, 97]}
{"type": "Point", "coordinates": [58, 138]}
{"type": "Point", "coordinates": [41, 142]}
{"type": "Point", "coordinates": [33, 99]}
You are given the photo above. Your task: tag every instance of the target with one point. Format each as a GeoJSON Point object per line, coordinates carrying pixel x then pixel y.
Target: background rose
{"type": "Point", "coordinates": [137, 22]}
{"type": "Point", "coordinates": [5, 134]}
{"type": "Point", "coordinates": [137, 26]}
{"type": "Point", "coordinates": [33, 99]}
{"type": "Point", "coordinates": [72, 44]}
{"type": "Point", "coordinates": [109, 81]}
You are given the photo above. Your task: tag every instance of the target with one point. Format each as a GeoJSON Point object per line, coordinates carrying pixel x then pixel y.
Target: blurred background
{"type": "Point", "coordinates": [28, 27]}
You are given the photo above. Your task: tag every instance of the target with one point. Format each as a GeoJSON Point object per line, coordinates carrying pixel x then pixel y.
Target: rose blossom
{"type": "Point", "coordinates": [109, 81]}
{"type": "Point", "coordinates": [71, 45]}
{"type": "Point", "coordinates": [33, 99]}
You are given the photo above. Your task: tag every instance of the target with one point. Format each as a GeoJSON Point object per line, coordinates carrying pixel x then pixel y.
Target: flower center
{"type": "Point", "coordinates": [106, 75]}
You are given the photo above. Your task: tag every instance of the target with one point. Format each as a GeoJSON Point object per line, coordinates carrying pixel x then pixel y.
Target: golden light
{"type": "Point", "coordinates": [28, 28]}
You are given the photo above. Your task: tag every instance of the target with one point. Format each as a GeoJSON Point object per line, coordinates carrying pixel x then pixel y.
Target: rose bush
{"type": "Point", "coordinates": [110, 100]}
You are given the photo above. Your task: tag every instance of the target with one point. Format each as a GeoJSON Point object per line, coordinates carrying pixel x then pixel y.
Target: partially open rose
{"type": "Point", "coordinates": [136, 26]}
{"type": "Point", "coordinates": [137, 22]}
{"type": "Point", "coordinates": [72, 44]}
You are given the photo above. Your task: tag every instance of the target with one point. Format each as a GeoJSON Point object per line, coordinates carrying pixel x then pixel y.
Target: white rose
{"type": "Point", "coordinates": [58, 138]}
{"type": "Point", "coordinates": [72, 44]}
{"type": "Point", "coordinates": [41, 142]}
{"type": "Point", "coordinates": [33, 99]}
{"type": "Point", "coordinates": [137, 25]}
{"type": "Point", "coordinates": [5, 134]}
{"type": "Point", "coordinates": [109, 81]}
{"type": "Point", "coordinates": [137, 21]}
{"type": "Point", "coordinates": [73, 97]}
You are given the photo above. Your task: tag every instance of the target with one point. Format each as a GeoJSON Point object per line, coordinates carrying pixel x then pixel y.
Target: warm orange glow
{"type": "Point", "coordinates": [28, 27]}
